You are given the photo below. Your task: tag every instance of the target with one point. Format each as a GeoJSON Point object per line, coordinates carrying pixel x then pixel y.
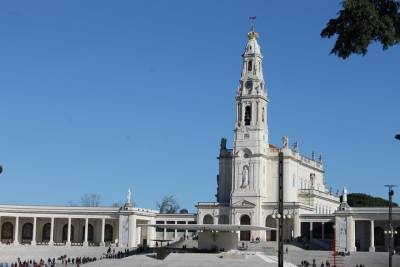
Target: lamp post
{"type": "Point", "coordinates": [1, 169]}
{"type": "Point", "coordinates": [280, 209]}
{"type": "Point", "coordinates": [397, 136]}
{"type": "Point", "coordinates": [390, 232]}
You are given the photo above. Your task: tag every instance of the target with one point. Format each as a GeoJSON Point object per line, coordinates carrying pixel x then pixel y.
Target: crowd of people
{"type": "Point", "coordinates": [63, 260]}
{"type": "Point", "coordinates": [76, 261]}
{"type": "Point", "coordinates": [33, 263]}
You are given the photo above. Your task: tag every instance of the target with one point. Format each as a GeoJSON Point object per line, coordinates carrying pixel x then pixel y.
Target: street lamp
{"type": "Point", "coordinates": [1, 169]}
{"type": "Point", "coordinates": [390, 232]}
{"type": "Point", "coordinates": [397, 136]}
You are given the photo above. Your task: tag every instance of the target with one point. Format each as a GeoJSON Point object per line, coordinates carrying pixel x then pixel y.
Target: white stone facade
{"type": "Point", "coordinates": [248, 174]}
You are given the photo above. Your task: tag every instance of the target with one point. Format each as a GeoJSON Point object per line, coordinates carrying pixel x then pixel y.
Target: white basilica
{"type": "Point", "coordinates": [248, 174]}
{"type": "Point", "coordinates": [247, 194]}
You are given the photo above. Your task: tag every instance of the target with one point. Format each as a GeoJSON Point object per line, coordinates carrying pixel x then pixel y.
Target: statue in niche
{"type": "Point", "coordinates": [128, 196]}
{"type": "Point", "coordinates": [223, 144]}
{"type": "Point", "coordinates": [285, 142]}
{"type": "Point", "coordinates": [245, 176]}
{"type": "Point", "coordinates": [312, 179]}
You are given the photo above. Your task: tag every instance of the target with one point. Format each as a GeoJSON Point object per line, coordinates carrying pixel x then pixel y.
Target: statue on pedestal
{"type": "Point", "coordinates": [128, 197]}
{"type": "Point", "coordinates": [285, 142]}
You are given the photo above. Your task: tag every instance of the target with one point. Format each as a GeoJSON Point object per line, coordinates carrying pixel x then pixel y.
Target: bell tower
{"type": "Point", "coordinates": [250, 148]}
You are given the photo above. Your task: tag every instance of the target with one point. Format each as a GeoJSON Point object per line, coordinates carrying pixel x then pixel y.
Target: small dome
{"type": "Point", "coordinates": [252, 35]}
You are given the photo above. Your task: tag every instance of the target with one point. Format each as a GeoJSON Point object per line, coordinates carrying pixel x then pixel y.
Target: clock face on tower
{"type": "Point", "coordinates": [249, 84]}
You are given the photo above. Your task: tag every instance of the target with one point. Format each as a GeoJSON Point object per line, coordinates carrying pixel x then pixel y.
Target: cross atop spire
{"type": "Point", "coordinates": [253, 23]}
{"type": "Point", "coordinates": [253, 34]}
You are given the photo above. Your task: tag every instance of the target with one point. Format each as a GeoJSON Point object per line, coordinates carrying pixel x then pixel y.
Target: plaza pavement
{"type": "Point", "coordinates": [295, 255]}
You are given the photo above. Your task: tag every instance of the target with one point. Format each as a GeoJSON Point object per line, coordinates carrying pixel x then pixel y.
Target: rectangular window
{"type": "Point", "coordinates": [250, 66]}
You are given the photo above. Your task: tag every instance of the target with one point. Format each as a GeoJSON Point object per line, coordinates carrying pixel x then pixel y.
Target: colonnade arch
{"type": "Point", "coordinates": [208, 219]}
{"type": "Point", "coordinates": [108, 233]}
{"type": "Point", "coordinates": [46, 232]}
{"type": "Point", "coordinates": [245, 220]}
{"type": "Point", "coordinates": [270, 222]}
{"type": "Point", "coordinates": [7, 231]}
{"type": "Point", "coordinates": [27, 232]}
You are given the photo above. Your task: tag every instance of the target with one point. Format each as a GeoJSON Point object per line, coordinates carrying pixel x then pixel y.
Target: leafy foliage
{"type": "Point", "coordinates": [364, 200]}
{"type": "Point", "coordinates": [183, 211]}
{"type": "Point", "coordinates": [168, 205]}
{"type": "Point", "coordinates": [361, 22]}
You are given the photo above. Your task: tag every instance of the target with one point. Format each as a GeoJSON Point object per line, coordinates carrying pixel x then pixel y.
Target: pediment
{"type": "Point", "coordinates": [243, 204]}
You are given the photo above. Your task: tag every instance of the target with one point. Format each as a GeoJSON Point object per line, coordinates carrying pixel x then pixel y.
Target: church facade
{"type": "Point", "coordinates": [247, 191]}
{"type": "Point", "coordinates": [247, 194]}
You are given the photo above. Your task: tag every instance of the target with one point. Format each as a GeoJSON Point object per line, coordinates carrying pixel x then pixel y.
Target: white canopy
{"type": "Point", "coordinates": [209, 227]}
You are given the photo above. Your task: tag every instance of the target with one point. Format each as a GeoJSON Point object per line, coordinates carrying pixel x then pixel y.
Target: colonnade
{"type": "Point", "coordinates": [12, 232]}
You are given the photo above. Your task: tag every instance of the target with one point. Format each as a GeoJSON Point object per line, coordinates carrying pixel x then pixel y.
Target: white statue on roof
{"type": "Point", "coordinates": [344, 196]}
{"type": "Point", "coordinates": [128, 196]}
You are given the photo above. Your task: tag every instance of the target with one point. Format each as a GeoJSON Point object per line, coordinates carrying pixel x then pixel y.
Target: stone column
{"type": "Point", "coordinates": [323, 230]}
{"type": "Point", "coordinates": [16, 231]}
{"type": "Point", "coordinates": [165, 234]}
{"type": "Point", "coordinates": [51, 242]}
{"type": "Point", "coordinates": [69, 232]}
{"type": "Point", "coordinates": [151, 233]}
{"type": "Point", "coordinates": [132, 231]}
{"type": "Point", "coordinates": [103, 228]}
{"type": "Point", "coordinates": [296, 226]}
{"type": "Point", "coordinates": [311, 230]}
{"type": "Point", "coordinates": [33, 242]}
{"type": "Point", "coordinates": [351, 235]}
{"type": "Point", "coordinates": [85, 241]}
{"type": "Point", "coordinates": [372, 237]}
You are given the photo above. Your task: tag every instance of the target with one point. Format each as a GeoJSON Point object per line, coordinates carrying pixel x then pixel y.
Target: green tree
{"type": "Point", "coordinates": [361, 22]}
{"type": "Point", "coordinates": [168, 205]}
{"type": "Point", "coordinates": [364, 200]}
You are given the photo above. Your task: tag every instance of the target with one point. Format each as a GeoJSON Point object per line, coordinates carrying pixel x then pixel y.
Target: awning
{"type": "Point", "coordinates": [209, 227]}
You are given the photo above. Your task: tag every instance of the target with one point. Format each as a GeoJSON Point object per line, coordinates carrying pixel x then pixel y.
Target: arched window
{"type": "Point", "coordinates": [46, 232]}
{"type": "Point", "coordinates": [271, 222]}
{"type": "Point", "coordinates": [245, 235]}
{"type": "Point", "coordinates": [263, 114]}
{"type": "Point", "coordinates": [7, 231]}
{"type": "Point", "coordinates": [108, 233]}
{"type": "Point", "coordinates": [247, 115]}
{"type": "Point", "coordinates": [65, 233]}
{"type": "Point", "coordinates": [90, 233]}
{"type": "Point", "coordinates": [27, 231]}
{"type": "Point", "coordinates": [379, 236]}
{"type": "Point", "coordinates": [223, 219]}
{"type": "Point", "coordinates": [250, 66]}
{"type": "Point", "coordinates": [208, 219]}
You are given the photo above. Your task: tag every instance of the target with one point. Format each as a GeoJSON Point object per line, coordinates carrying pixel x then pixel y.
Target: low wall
{"type": "Point", "coordinates": [220, 240]}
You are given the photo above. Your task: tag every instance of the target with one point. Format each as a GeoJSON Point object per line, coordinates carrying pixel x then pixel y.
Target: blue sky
{"type": "Point", "coordinates": [100, 96]}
